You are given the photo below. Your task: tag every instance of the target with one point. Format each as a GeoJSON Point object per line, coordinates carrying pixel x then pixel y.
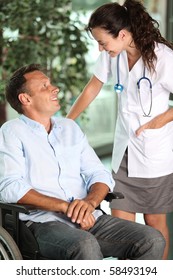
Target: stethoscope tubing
{"type": "Point", "coordinates": [119, 88]}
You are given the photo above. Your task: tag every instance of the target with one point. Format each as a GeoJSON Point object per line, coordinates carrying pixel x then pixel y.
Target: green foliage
{"type": "Point", "coordinates": [45, 32]}
{"type": "Point", "coordinates": [88, 4]}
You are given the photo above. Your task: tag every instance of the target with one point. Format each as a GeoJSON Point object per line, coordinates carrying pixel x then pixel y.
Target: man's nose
{"type": "Point", "coordinates": [55, 89]}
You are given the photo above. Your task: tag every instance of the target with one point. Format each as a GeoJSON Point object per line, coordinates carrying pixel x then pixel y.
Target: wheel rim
{"type": "Point", "coordinates": [8, 248]}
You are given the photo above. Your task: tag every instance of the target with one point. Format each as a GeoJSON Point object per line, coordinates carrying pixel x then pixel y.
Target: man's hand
{"type": "Point", "coordinates": [79, 211]}
{"type": "Point", "coordinates": [88, 223]}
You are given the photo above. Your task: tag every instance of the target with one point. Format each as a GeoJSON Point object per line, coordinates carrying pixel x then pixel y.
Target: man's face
{"type": "Point", "coordinates": [43, 96]}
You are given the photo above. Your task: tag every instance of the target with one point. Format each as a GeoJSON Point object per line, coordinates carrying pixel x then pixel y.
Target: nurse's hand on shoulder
{"type": "Point", "coordinates": [155, 123]}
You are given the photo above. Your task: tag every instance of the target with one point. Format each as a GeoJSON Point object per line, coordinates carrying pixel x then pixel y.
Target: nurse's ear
{"type": "Point", "coordinates": [123, 34]}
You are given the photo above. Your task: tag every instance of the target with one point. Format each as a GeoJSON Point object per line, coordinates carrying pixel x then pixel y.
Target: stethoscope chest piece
{"type": "Point", "coordinates": [118, 88]}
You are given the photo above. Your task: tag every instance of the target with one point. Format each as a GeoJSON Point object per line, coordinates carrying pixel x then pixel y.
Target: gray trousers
{"type": "Point", "coordinates": [109, 237]}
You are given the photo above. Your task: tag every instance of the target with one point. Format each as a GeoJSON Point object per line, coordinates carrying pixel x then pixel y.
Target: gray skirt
{"type": "Point", "coordinates": [142, 195]}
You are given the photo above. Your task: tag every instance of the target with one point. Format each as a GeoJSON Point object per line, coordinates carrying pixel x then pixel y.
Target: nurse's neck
{"type": "Point", "coordinates": [132, 55]}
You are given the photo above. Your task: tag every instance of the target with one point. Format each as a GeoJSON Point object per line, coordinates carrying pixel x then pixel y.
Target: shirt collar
{"type": "Point", "coordinates": [36, 125]}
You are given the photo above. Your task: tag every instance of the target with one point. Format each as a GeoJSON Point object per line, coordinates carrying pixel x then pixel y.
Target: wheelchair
{"type": "Point", "coordinates": [16, 240]}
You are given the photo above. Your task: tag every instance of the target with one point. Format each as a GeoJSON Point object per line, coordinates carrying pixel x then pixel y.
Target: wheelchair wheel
{"type": "Point", "coordinates": [8, 248]}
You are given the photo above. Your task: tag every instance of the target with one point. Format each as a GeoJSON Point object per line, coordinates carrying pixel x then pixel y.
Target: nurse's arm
{"type": "Point", "coordinates": [157, 122]}
{"type": "Point", "coordinates": [88, 94]}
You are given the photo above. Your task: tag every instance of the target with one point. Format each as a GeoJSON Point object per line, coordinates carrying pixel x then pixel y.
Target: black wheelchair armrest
{"type": "Point", "coordinates": [113, 195]}
{"type": "Point", "coordinates": [9, 214]}
{"type": "Point", "coordinates": [15, 207]}
{"type": "Point", "coordinates": [9, 217]}
{"type": "Point", "coordinates": [109, 197]}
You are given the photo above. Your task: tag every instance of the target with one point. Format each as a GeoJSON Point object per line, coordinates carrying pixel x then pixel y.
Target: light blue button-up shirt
{"type": "Point", "coordinates": [59, 164]}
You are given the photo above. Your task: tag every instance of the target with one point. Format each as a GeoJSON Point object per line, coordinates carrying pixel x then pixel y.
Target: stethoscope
{"type": "Point", "coordinates": [119, 88]}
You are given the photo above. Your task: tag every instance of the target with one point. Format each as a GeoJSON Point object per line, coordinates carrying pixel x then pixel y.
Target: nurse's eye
{"type": "Point", "coordinates": [102, 44]}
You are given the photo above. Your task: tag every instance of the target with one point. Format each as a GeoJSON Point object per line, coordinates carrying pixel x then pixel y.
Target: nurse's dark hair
{"type": "Point", "coordinates": [133, 17]}
{"type": "Point", "coordinates": [17, 85]}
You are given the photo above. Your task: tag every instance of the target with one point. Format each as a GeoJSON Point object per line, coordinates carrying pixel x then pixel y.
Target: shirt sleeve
{"type": "Point", "coordinates": [164, 69]}
{"type": "Point", "coordinates": [12, 171]}
{"type": "Point", "coordinates": [92, 168]}
{"type": "Point", "coordinates": [102, 67]}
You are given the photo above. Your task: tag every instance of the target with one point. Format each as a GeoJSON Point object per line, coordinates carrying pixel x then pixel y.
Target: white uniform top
{"type": "Point", "coordinates": [150, 155]}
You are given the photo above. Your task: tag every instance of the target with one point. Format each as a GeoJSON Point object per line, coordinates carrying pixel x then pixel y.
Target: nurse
{"type": "Point", "coordinates": [140, 61]}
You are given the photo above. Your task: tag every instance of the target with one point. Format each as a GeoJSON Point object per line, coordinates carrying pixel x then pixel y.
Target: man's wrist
{"type": "Point", "coordinates": [92, 203]}
{"type": "Point", "coordinates": [65, 206]}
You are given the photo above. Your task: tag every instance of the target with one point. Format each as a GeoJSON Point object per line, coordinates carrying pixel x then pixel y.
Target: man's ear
{"type": "Point", "coordinates": [24, 99]}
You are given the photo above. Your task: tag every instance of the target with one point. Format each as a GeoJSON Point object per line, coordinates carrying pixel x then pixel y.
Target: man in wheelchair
{"type": "Point", "coordinates": [47, 162]}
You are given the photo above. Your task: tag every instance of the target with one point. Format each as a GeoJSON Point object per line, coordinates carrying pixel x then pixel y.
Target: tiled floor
{"type": "Point", "coordinates": [105, 205]}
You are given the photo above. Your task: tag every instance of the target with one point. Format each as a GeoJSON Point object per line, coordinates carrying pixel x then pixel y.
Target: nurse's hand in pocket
{"type": "Point", "coordinates": [157, 122]}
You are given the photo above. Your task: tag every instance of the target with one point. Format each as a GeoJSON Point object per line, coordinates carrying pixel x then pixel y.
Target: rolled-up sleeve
{"type": "Point", "coordinates": [92, 167]}
{"type": "Point", "coordinates": [12, 168]}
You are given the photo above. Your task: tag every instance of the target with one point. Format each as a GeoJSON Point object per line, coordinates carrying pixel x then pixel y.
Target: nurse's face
{"type": "Point", "coordinates": [108, 43]}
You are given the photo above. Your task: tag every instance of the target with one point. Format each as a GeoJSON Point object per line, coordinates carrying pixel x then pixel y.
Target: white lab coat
{"type": "Point", "coordinates": [151, 154]}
